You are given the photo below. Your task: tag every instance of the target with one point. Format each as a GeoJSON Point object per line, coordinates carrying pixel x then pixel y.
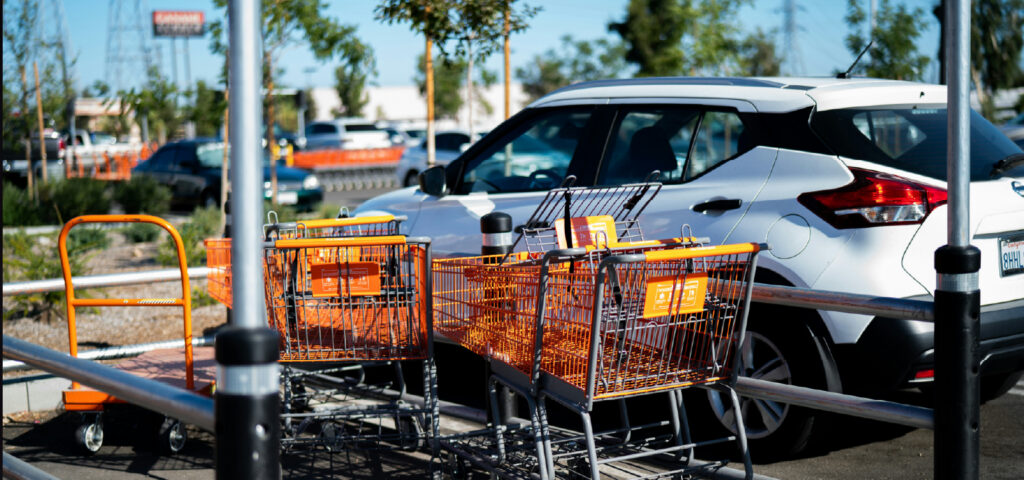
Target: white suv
{"type": "Point", "coordinates": [345, 133]}
{"type": "Point", "coordinates": [844, 178]}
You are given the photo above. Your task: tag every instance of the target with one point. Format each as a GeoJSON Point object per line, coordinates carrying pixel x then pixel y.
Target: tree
{"type": "Point", "coordinates": [351, 78]}
{"type": "Point", "coordinates": [894, 51]}
{"type": "Point", "coordinates": [207, 110]}
{"type": "Point", "coordinates": [284, 23]}
{"type": "Point", "coordinates": [576, 61]}
{"type": "Point", "coordinates": [431, 19]}
{"type": "Point", "coordinates": [449, 81]}
{"type": "Point", "coordinates": [674, 37]}
{"type": "Point", "coordinates": [653, 33]}
{"type": "Point", "coordinates": [757, 55]}
{"type": "Point", "coordinates": [997, 39]}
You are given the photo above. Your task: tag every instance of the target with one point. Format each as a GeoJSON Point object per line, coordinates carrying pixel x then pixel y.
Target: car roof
{"type": "Point", "coordinates": [762, 94]}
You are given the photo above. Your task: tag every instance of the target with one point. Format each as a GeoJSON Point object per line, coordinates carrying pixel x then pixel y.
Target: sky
{"type": "Point", "coordinates": [819, 38]}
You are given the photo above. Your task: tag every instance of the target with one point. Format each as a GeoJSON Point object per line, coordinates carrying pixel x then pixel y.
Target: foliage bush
{"type": "Point", "coordinates": [84, 238]}
{"type": "Point", "coordinates": [141, 232]}
{"type": "Point", "coordinates": [143, 194]}
{"type": "Point", "coordinates": [19, 210]}
{"type": "Point", "coordinates": [285, 213]}
{"type": "Point", "coordinates": [62, 200]}
{"type": "Point", "coordinates": [203, 224]}
{"type": "Point", "coordinates": [30, 257]}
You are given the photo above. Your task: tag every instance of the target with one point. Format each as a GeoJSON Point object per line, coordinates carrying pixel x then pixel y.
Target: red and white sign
{"type": "Point", "coordinates": [178, 23]}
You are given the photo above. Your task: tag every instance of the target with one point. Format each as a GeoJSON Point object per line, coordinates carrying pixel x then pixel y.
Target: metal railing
{"type": "Point", "coordinates": [157, 396]}
{"type": "Point", "coordinates": [119, 351]}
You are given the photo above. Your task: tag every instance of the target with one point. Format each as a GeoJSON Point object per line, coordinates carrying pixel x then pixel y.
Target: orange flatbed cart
{"type": "Point", "coordinates": [189, 368]}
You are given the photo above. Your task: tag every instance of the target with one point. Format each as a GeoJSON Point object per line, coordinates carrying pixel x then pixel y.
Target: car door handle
{"type": "Point", "coordinates": [718, 205]}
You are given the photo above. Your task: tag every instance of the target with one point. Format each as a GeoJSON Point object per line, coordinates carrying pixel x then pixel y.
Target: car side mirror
{"type": "Point", "coordinates": [432, 181]}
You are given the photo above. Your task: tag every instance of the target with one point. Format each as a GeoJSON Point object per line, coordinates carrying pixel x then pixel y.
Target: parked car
{"type": "Point", "coordinates": [345, 133]}
{"type": "Point", "coordinates": [192, 170]}
{"type": "Point", "coordinates": [1015, 130]}
{"type": "Point", "coordinates": [844, 178]}
{"type": "Point", "coordinates": [448, 145]}
{"type": "Point", "coordinates": [15, 158]}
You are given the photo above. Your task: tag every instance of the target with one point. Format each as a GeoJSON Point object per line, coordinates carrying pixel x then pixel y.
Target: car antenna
{"type": "Point", "coordinates": [846, 74]}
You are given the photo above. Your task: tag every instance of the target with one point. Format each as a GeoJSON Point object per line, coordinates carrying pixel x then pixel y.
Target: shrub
{"type": "Point", "coordinates": [19, 210]}
{"type": "Point", "coordinates": [141, 232]}
{"type": "Point", "coordinates": [27, 258]}
{"type": "Point", "coordinates": [143, 194]}
{"type": "Point", "coordinates": [285, 213]}
{"type": "Point", "coordinates": [203, 224]}
{"type": "Point", "coordinates": [62, 200]}
{"type": "Point", "coordinates": [84, 238]}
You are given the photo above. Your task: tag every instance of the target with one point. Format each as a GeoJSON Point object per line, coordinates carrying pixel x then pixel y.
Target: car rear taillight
{"type": "Point", "coordinates": [874, 199]}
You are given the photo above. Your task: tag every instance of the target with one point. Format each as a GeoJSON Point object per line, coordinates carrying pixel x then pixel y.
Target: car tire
{"type": "Point", "coordinates": [995, 386]}
{"type": "Point", "coordinates": [411, 179]}
{"type": "Point", "coordinates": [779, 346]}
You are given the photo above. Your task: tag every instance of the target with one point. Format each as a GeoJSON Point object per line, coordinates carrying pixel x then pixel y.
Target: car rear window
{"type": "Point", "coordinates": [909, 138]}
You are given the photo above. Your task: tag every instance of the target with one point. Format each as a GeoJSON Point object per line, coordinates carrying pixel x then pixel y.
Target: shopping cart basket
{"type": "Point", "coordinates": [218, 250]}
{"type": "Point", "coordinates": [345, 302]}
{"type": "Point", "coordinates": [192, 369]}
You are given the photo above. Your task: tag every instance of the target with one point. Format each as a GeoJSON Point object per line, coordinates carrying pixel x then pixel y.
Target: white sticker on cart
{"type": "Point", "coordinates": [674, 295]}
{"type": "Point", "coordinates": [335, 280]}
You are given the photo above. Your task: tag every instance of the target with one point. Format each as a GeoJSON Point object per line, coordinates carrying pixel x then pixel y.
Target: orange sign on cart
{"type": "Point", "coordinates": [335, 280]}
{"type": "Point", "coordinates": [587, 231]}
{"type": "Point", "coordinates": [675, 295]}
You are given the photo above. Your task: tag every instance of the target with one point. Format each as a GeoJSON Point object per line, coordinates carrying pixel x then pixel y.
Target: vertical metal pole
{"type": "Point", "coordinates": [957, 297]}
{"type": "Point", "coordinates": [246, 404]}
{"type": "Point", "coordinates": [496, 233]}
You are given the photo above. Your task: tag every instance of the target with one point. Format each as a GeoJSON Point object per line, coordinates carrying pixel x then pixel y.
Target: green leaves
{"type": "Point", "coordinates": [894, 52]}
{"type": "Point", "coordinates": [575, 61]}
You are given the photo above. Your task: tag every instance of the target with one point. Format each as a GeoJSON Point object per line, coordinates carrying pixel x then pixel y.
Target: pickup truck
{"type": "Point", "coordinates": [15, 160]}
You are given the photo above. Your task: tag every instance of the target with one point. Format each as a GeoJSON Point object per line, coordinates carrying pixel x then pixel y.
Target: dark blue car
{"type": "Point", "coordinates": [192, 170]}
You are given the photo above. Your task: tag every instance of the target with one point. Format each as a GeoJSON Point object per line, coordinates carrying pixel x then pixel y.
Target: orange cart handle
{"type": "Point", "coordinates": [341, 242]}
{"type": "Point", "coordinates": [698, 252]}
{"type": "Point", "coordinates": [345, 222]}
{"type": "Point", "coordinates": [69, 290]}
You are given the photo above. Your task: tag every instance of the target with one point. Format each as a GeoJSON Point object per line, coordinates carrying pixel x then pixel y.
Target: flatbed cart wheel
{"type": "Point", "coordinates": [171, 436]}
{"type": "Point", "coordinates": [89, 435]}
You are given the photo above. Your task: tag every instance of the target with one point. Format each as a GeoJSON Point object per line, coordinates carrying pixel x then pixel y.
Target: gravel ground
{"type": "Point", "coordinates": [102, 327]}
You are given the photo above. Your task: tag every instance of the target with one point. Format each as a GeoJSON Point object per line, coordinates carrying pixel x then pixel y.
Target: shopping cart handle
{"type": "Point", "coordinates": [566, 252]}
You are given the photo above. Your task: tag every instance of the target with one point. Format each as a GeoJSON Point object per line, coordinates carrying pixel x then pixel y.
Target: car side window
{"type": "Point", "coordinates": [533, 157]}
{"type": "Point", "coordinates": [318, 128]}
{"type": "Point", "coordinates": [718, 139]}
{"type": "Point", "coordinates": [185, 160]}
{"type": "Point", "coordinates": [162, 160]}
{"type": "Point", "coordinates": [680, 142]}
{"type": "Point", "coordinates": [646, 140]}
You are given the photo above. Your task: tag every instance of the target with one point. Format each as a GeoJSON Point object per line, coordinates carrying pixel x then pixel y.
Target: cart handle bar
{"type": "Point", "coordinates": [348, 241]}
{"type": "Point", "coordinates": [697, 252]}
{"type": "Point", "coordinates": [346, 222]}
{"type": "Point", "coordinates": [69, 290]}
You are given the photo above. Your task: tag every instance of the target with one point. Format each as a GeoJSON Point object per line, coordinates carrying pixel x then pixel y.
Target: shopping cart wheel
{"type": "Point", "coordinates": [456, 467]}
{"type": "Point", "coordinates": [411, 435]}
{"type": "Point", "coordinates": [171, 436]}
{"type": "Point", "coordinates": [328, 436]}
{"type": "Point", "coordinates": [89, 435]}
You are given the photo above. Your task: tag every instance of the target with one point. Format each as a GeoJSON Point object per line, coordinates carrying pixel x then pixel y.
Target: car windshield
{"type": "Point", "coordinates": [103, 139]}
{"type": "Point", "coordinates": [910, 138]}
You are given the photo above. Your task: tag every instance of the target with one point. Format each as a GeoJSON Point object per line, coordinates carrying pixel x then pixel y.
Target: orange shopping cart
{"type": "Point", "coordinates": [190, 368]}
{"type": "Point", "coordinates": [541, 320]}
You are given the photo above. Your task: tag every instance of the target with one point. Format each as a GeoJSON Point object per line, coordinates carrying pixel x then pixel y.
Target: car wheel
{"type": "Point", "coordinates": [777, 348]}
{"type": "Point", "coordinates": [411, 179]}
{"type": "Point", "coordinates": [995, 386]}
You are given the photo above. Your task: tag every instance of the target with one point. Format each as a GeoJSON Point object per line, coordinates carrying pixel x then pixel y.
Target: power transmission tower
{"type": "Point", "coordinates": [129, 51]}
{"type": "Point", "coordinates": [793, 62]}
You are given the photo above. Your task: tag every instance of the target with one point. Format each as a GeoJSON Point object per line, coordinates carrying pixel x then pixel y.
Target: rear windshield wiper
{"type": "Point", "coordinates": [1005, 164]}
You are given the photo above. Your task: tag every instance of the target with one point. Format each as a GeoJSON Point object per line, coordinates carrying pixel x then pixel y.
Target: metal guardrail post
{"type": "Point", "coordinates": [246, 403]}
{"type": "Point", "coordinates": [957, 297]}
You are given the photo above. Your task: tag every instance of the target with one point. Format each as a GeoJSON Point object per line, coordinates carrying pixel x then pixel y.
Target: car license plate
{"type": "Point", "coordinates": [287, 198]}
{"type": "Point", "coordinates": [1011, 255]}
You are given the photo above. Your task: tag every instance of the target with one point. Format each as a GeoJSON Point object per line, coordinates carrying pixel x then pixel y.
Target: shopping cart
{"type": "Point", "coordinates": [339, 304]}
{"type": "Point", "coordinates": [218, 250]}
{"type": "Point", "coordinates": [192, 369]}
